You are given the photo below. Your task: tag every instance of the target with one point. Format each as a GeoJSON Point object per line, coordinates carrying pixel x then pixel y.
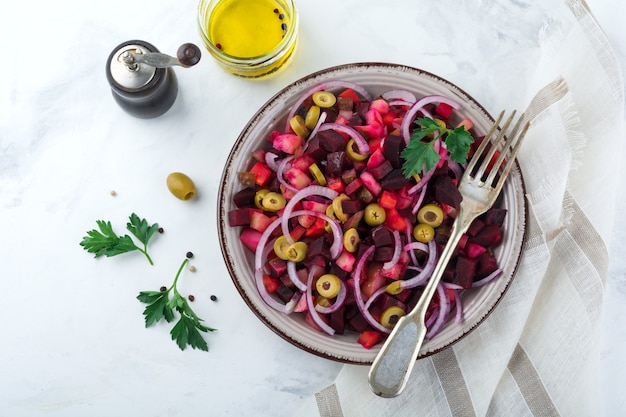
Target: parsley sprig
{"type": "Point", "coordinates": [420, 153]}
{"type": "Point", "coordinates": [186, 332]}
{"type": "Point", "coordinates": [106, 242]}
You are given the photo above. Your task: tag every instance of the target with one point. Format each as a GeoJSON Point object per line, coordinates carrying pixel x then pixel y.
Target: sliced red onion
{"type": "Point", "coordinates": [423, 181]}
{"type": "Point", "coordinates": [409, 234]}
{"type": "Point", "coordinates": [330, 85]}
{"type": "Point", "coordinates": [419, 107]}
{"type": "Point", "coordinates": [397, 251]}
{"type": "Point", "coordinates": [303, 193]}
{"type": "Point", "coordinates": [375, 296]}
{"type": "Point", "coordinates": [444, 305]}
{"type": "Point", "coordinates": [420, 199]}
{"type": "Point", "coordinates": [282, 165]}
{"type": "Point", "coordinates": [320, 121]}
{"type": "Point", "coordinates": [293, 276]}
{"type": "Point", "coordinates": [360, 141]}
{"type": "Point", "coordinates": [400, 102]}
{"type": "Point", "coordinates": [339, 300]}
{"type": "Point", "coordinates": [458, 305]}
{"type": "Point", "coordinates": [309, 302]}
{"type": "Point", "coordinates": [422, 277]}
{"type": "Point", "coordinates": [270, 161]}
{"type": "Point", "coordinates": [495, 274]}
{"type": "Point", "coordinates": [358, 271]}
{"type": "Point", "coordinates": [399, 94]}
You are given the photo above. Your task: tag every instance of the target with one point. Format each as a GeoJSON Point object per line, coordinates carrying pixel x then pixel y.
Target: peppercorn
{"type": "Point", "coordinates": [191, 297]}
{"type": "Point", "coordinates": [189, 255]}
{"type": "Point", "coordinates": [163, 288]}
{"type": "Point", "coordinates": [160, 230]}
{"type": "Point", "coordinates": [213, 298]}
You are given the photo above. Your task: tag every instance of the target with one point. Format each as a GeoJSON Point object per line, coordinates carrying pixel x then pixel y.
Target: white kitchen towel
{"type": "Point", "coordinates": [537, 353]}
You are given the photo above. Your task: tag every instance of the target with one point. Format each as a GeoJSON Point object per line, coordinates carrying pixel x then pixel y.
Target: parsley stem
{"type": "Point", "coordinates": [178, 275]}
{"type": "Point", "coordinates": [145, 252]}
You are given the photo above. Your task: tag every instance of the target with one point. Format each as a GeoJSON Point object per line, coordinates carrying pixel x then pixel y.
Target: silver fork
{"type": "Point", "coordinates": [480, 187]}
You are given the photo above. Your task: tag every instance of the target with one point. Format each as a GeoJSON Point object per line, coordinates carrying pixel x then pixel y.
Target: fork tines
{"type": "Point", "coordinates": [498, 150]}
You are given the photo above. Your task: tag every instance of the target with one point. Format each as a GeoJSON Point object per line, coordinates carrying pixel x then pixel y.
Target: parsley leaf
{"type": "Point", "coordinates": [105, 242]}
{"type": "Point", "coordinates": [420, 155]}
{"type": "Point", "coordinates": [186, 332]}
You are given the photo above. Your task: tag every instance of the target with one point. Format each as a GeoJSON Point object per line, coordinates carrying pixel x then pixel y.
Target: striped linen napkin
{"type": "Point", "coordinates": [537, 353]}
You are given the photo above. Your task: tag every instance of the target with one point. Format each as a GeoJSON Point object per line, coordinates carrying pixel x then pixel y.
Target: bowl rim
{"type": "Point", "coordinates": [222, 224]}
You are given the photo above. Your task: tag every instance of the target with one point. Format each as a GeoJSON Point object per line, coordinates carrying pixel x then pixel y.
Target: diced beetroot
{"type": "Point", "coordinates": [383, 254]}
{"type": "Point", "coordinates": [395, 272]}
{"type": "Point", "coordinates": [315, 261]}
{"type": "Point", "coordinates": [369, 338]}
{"type": "Point", "coordinates": [303, 162]}
{"type": "Point", "coordinates": [370, 183]}
{"type": "Point", "coordinates": [405, 200]}
{"type": "Point", "coordinates": [306, 220]}
{"type": "Point", "coordinates": [373, 131]}
{"type": "Point", "coordinates": [376, 158]}
{"type": "Point", "coordinates": [250, 238]}
{"type": "Point", "coordinates": [239, 217]}
{"type": "Point", "coordinates": [284, 293]}
{"type": "Point", "coordinates": [337, 320]}
{"type": "Point", "coordinates": [277, 267]}
{"type": "Point", "coordinates": [353, 186]}
{"type": "Point", "coordinates": [244, 197]}
{"type": "Point", "coordinates": [262, 172]}
{"type": "Point", "coordinates": [314, 206]}
{"type": "Point", "coordinates": [354, 221]}
{"type": "Point", "coordinates": [335, 184]}
{"type": "Point", "coordinates": [297, 178]}
{"type": "Point", "coordinates": [404, 295]}
{"type": "Point", "coordinates": [379, 105]}
{"type": "Point", "coordinates": [346, 261]}
{"type": "Point", "coordinates": [348, 175]}
{"type": "Point", "coordinates": [356, 321]}
{"type": "Point", "coordinates": [314, 149]}
{"type": "Point", "coordinates": [487, 264]}
{"type": "Point", "coordinates": [446, 192]}
{"type": "Point", "coordinates": [495, 216]}
{"type": "Point", "coordinates": [259, 155]}
{"type": "Point", "coordinates": [474, 250]}
{"type": "Point", "coordinates": [462, 241]}
{"type": "Point", "coordinates": [394, 180]}
{"type": "Point", "coordinates": [350, 93]}
{"type": "Point", "coordinates": [351, 206]}
{"type": "Point", "coordinates": [488, 236]}
{"type": "Point", "coordinates": [301, 305]}
{"type": "Point", "coordinates": [392, 148]}
{"type": "Point", "coordinates": [444, 110]}
{"type": "Point", "coordinates": [288, 143]}
{"type": "Point", "coordinates": [394, 220]}
{"type": "Point", "coordinates": [297, 232]}
{"type": "Point", "coordinates": [309, 320]}
{"type": "Point", "coordinates": [374, 280]}
{"type": "Point", "coordinates": [335, 162]}
{"type": "Point", "coordinates": [273, 135]}
{"type": "Point", "coordinates": [381, 170]}
{"type": "Point", "coordinates": [466, 123]}
{"type": "Point", "coordinates": [271, 284]}
{"type": "Point", "coordinates": [331, 141]}
{"type": "Point", "coordinates": [382, 236]}
{"type": "Point", "coordinates": [387, 199]}
{"type": "Point", "coordinates": [259, 221]}
{"type": "Point", "coordinates": [475, 227]}
{"type": "Point", "coordinates": [465, 271]}
{"type": "Point", "coordinates": [317, 229]}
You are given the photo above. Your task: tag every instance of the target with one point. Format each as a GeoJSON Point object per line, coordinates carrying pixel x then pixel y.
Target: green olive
{"type": "Point", "coordinates": [390, 317]}
{"type": "Point", "coordinates": [394, 288]}
{"type": "Point", "coordinates": [312, 116]}
{"type": "Point", "coordinates": [423, 232]}
{"type": "Point", "coordinates": [351, 240]}
{"type": "Point", "coordinates": [181, 185]}
{"type": "Point", "coordinates": [315, 170]}
{"type": "Point", "coordinates": [328, 285]}
{"type": "Point", "coordinates": [273, 201]}
{"type": "Point", "coordinates": [430, 214]}
{"type": "Point", "coordinates": [298, 126]}
{"type": "Point", "coordinates": [258, 197]}
{"type": "Point", "coordinates": [281, 245]}
{"type": "Point", "coordinates": [296, 252]}
{"type": "Point", "coordinates": [324, 99]}
{"type": "Point", "coordinates": [353, 152]}
{"type": "Point", "coordinates": [374, 215]}
{"type": "Point", "coordinates": [338, 207]}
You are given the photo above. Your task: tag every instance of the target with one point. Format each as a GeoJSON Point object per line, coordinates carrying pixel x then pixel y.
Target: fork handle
{"type": "Point", "coordinates": [392, 366]}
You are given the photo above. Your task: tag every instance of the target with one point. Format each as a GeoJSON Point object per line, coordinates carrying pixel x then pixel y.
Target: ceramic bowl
{"type": "Point", "coordinates": [376, 78]}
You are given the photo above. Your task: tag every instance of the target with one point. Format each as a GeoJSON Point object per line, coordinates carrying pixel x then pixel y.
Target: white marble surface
{"type": "Point", "coordinates": [73, 339]}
